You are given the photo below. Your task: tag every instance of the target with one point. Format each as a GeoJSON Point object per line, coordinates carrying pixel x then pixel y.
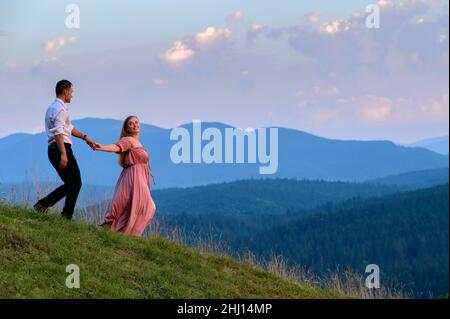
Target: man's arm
{"type": "Point", "coordinates": [84, 137]}
{"type": "Point", "coordinates": [77, 133]}
{"type": "Point", "coordinates": [60, 143]}
{"type": "Point", "coordinates": [58, 131]}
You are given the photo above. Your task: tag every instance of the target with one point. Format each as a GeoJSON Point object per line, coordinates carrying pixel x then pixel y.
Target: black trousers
{"type": "Point", "coordinates": [71, 177]}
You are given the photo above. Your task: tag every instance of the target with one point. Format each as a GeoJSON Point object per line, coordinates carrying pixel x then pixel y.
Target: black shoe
{"type": "Point", "coordinates": [40, 208]}
{"type": "Point", "coordinates": [67, 216]}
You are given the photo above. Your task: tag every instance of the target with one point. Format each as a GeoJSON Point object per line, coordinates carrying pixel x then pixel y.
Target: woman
{"type": "Point", "coordinates": [132, 207]}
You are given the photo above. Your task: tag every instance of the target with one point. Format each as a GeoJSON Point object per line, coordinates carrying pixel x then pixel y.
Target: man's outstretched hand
{"type": "Point", "coordinates": [91, 143]}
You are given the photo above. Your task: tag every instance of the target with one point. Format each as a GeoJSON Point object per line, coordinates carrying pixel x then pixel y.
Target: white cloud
{"type": "Point", "coordinates": [53, 46]}
{"type": "Point", "coordinates": [377, 113]}
{"type": "Point", "coordinates": [254, 30]}
{"type": "Point", "coordinates": [235, 17]}
{"type": "Point", "coordinates": [335, 26]}
{"type": "Point", "coordinates": [369, 108]}
{"type": "Point", "coordinates": [347, 45]}
{"type": "Point", "coordinates": [437, 108]}
{"type": "Point", "coordinates": [326, 115]}
{"type": "Point", "coordinates": [211, 36]}
{"type": "Point", "coordinates": [420, 21]}
{"type": "Point", "coordinates": [383, 3]}
{"type": "Point", "coordinates": [357, 15]}
{"type": "Point", "coordinates": [377, 108]}
{"type": "Point", "coordinates": [373, 107]}
{"type": "Point", "coordinates": [312, 18]}
{"type": "Point", "coordinates": [257, 27]}
{"type": "Point", "coordinates": [177, 54]}
{"type": "Point", "coordinates": [209, 39]}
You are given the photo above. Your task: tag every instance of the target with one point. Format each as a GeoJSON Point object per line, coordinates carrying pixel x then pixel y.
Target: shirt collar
{"type": "Point", "coordinates": [62, 102]}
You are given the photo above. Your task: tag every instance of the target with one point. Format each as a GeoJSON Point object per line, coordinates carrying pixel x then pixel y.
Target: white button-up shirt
{"type": "Point", "coordinates": [57, 121]}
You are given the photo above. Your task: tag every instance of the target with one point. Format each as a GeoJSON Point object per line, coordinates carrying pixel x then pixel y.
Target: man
{"type": "Point", "coordinates": [60, 131]}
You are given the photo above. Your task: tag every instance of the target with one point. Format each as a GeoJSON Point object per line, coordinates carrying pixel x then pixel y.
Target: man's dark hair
{"type": "Point", "coordinates": [61, 86]}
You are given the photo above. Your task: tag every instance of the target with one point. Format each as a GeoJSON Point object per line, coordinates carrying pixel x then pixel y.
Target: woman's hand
{"type": "Point", "coordinates": [107, 148]}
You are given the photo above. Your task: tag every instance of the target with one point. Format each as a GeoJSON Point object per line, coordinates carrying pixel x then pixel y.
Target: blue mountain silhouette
{"type": "Point", "coordinates": [301, 155]}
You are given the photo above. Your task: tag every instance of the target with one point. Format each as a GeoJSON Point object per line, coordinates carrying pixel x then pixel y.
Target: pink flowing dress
{"type": "Point", "coordinates": [132, 207]}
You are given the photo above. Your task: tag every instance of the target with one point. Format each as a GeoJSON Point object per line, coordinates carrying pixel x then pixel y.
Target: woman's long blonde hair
{"type": "Point", "coordinates": [123, 133]}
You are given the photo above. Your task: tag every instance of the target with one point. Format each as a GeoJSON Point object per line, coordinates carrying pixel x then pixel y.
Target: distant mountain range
{"type": "Point", "coordinates": [437, 144]}
{"type": "Point", "coordinates": [301, 155]}
{"type": "Point", "coordinates": [416, 179]}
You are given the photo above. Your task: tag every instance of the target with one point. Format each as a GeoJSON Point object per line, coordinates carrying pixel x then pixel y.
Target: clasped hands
{"type": "Point", "coordinates": [95, 146]}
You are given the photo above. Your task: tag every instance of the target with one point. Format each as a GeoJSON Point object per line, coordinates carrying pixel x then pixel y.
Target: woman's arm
{"type": "Point", "coordinates": [113, 148]}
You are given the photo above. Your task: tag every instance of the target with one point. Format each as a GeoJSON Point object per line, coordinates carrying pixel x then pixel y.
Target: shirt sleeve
{"type": "Point", "coordinates": [124, 144]}
{"type": "Point", "coordinates": [59, 122]}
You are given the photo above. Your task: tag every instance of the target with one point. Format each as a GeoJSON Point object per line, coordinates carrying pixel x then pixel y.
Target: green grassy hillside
{"type": "Point", "coordinates": [36, 248]}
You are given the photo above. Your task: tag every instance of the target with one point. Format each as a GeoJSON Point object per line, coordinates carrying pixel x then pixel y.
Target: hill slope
{"type": "Point", "coordinates": [36, 248]}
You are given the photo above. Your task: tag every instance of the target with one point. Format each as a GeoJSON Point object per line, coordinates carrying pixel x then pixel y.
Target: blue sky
{"type": "Point", "coordinates": [309, 65]}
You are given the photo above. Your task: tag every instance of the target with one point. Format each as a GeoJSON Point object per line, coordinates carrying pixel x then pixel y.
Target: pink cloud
{"type": "Point", "coordinates": [53, 46]}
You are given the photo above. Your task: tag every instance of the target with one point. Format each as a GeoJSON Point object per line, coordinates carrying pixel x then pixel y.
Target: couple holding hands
{"type": "Point", "coordinates": [132, 207]}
